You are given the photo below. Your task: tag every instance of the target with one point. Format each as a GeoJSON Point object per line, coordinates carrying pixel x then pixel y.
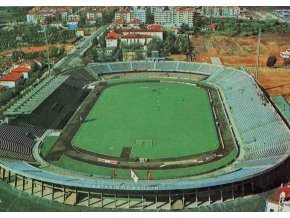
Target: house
{"type": "Point", "coordinates": [80, 32]}
{"type": "Point", "coordinates": [123, 14]}
{"type": "Point", "coordinates": [280, 202]}
{"type": "Point", "coordinates": [112, 39]}
{"type": "Point", "coordinates": [91, 21]}
{"type": "Point", "coordinates": [95, 13]}
{"type": "Point", "coordinates": [36, 17]}
{"type": "Point", "coordinates": [23, 69]}
{"type": "Point", "coordinates": [133, 35]}
{"type": "Point", "coordinates": [56, 24]}
{"type": "Point", "coordinates": [133, 38]}
{"type": "Point", "coordinates": [11, 80]}
{"type": "Point", "coordinates": [73, 17]}
{"type": "Point", "coordinates": [154, 27]}
{"type": "Point", "coordinates": [157, 33]}
{"type": "Point", "coordinates": [135, 23]}
{"type": "Point", "coordinates": [119, 22]}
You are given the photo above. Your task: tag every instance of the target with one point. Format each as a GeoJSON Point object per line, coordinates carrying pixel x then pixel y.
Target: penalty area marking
{"type": "Point", "coordinates": [144, 142]}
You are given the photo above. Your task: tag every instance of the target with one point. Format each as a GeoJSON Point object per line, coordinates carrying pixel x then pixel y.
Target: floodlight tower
{"type": "Point", "coordinates": [46, 41]}
{"type": "Point", "coordinates": [258, 54]}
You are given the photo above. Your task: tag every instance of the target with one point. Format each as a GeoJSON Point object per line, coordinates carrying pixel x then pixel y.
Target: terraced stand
{"type": "Point", "coordinates": [29, 102]}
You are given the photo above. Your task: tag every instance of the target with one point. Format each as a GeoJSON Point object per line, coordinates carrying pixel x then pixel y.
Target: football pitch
{"type": "Point", "coordinates": [151, 119]}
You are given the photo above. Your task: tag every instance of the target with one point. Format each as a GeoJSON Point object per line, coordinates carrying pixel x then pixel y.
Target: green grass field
{"type": "Point", "coordinates": [156, 120]}
{"type": "Point", "coordinates": [47, 145]}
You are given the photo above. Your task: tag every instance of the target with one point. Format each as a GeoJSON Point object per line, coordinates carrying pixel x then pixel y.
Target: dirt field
{"type": "Point", "coordinates": [242, 51]}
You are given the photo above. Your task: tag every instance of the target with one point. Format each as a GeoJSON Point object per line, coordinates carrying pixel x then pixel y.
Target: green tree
{"type": "Point", "coordinates": [271, 61]}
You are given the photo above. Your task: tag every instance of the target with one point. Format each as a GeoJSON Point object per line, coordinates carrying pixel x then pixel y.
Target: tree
{"type": "Point", "coordinates": [149, 16]}
{"type": "Point", "coordinates": [271, 61]}
{"type": "Point", "coordinates": [16, 55]}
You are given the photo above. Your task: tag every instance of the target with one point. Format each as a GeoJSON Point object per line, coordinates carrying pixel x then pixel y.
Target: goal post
{"type": "Point", "coordinates": [144, 142]}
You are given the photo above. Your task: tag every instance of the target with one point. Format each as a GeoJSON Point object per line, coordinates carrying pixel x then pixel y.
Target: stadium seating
{"type": "Point", "coordinates": [264, 137]}
{"type": "Point", "coordinates": [208, 69]}
{"type": "Point", "coordinates": [142, 65]}
{"type": "Point", "coordinates": [188, 67]}
{"type": "Point", "coordinates": [166, 66]}
{"type": "Point", "coordinates": [121, 67]}
{"type": "Point", "coordinates": [100, 68]}
{"type": "Point", "coordinates": [18, 141]}
{"type": "Point", "coordinates": [36, 96]}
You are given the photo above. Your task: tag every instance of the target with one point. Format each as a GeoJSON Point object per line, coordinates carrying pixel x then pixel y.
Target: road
{"type": "Point", "coordinates": [81, 48]}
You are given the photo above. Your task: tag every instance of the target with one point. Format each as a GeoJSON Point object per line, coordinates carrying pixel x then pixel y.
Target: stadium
{"type": "Point", "coordinates": [144, 135]}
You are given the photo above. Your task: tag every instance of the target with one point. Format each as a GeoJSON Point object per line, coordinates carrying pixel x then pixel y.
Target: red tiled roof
{"type": "Point", "coordinates": [35, 49]}
{"type": "Point", "coordinates": [112, 35]}
{"type": "Point", "coordinates": [276, 197]}
{"type": "Point", "coordinates": [136, 36]}
{"type": "Point", "coordinates": [135, 21]}
{"type": "Point", "coordinates": [119, 21]}
{"type": "Point", "coordinates": [11, 77]}
{"type": "Point", "coordinates": [2, 88]}
{"type": "Point", "coordinates": [20, 69]}
{"type": "Point", "coordinates": [212, 26]}
{"type": "Point", "coordinates": [154, 27]}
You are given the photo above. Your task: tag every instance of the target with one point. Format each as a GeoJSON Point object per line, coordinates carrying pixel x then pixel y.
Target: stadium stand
{"type": "Point", "coordinates": [100, 68]}
{"type": "Point", "coordinates": [36, 96]}
{"type": "Point", "coordinates": [283, 106]}
{"type": "Point", "coordinates": [121, 67]}
{"type": "Point", "coordinates": [142, 65]}
{"type": "Point", "coordinates": [188, 67]}
{"type": "Point", "coordinates": [18, 141]}
{"type": "Point", "coordinates": [166, 66]}
{"type": "Point", "coordinates": [56, 110]}
{"type": "Point", "coordinates": [263, 138]}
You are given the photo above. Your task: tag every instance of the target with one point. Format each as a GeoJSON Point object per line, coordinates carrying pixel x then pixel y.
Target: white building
{"type": "Point", "coordinates": [280, 202]}
{"type": "Point", "coordinates": [134, 38]}
{"type": "Point", "coordinates": [183, 15]}
{"type": "Point", "coordinates": [163, 17]}
{"type": "Point", "coordinates": [139, 14]}
{"type": "Point", "coordinates": [123, 14]}
{"type": "Point", "coordinates": [11, 80]}
{"type": "Point", "coordinates": [221, 11]}
{"type": "Point", "coordinates": [112, 39]}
